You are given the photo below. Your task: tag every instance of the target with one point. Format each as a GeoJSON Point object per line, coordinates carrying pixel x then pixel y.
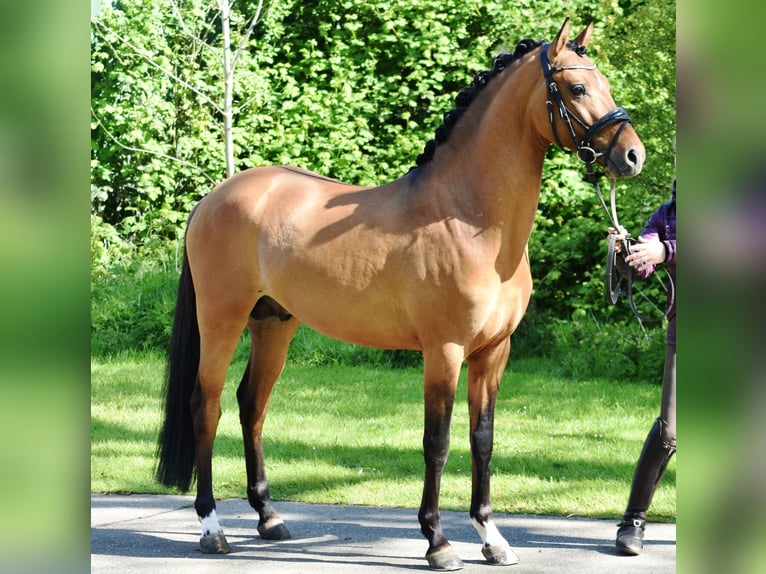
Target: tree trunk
{"type": "Point", "coordinates": [228, 81]}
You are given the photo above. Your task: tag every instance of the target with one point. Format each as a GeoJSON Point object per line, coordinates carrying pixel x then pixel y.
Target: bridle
{"type": "Point", "coordinates": [583, 148]}
{"type": "Point", "coordinates": [585, 152]}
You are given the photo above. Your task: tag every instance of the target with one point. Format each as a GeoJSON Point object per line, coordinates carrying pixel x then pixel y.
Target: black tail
{"type": "Point", "coordinates": [175, 448]}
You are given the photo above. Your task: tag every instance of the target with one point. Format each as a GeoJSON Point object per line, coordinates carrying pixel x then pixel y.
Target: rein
{"type": "Point", "coordinates": [585, 153]}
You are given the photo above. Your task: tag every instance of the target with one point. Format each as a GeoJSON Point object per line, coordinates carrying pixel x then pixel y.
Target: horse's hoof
{"type": "Point", "coordinates": [274, 529]}
{"type": "Point", "coordinates": [214, 544]}
{"type": "Point", "coordinates": [499, 555]}
{"type": "Point", "coordinates": [444, 560]}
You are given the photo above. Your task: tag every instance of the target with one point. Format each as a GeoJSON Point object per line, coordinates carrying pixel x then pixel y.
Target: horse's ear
{"type": "Point", "coordinates": [585, 35]}
{"type": "Point", "coordinates": [559, 42]}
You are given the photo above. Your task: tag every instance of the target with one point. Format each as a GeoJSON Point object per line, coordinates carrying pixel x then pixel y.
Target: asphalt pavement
{"type": "Point", "coordinates": [149, 533]}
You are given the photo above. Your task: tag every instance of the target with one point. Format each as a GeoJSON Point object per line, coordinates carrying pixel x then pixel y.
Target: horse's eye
{"type": "Point", "coordinates": [578, 90]}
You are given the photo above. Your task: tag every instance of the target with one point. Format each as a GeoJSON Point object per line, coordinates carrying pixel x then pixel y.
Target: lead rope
{"type": "Point", "coordinates": [613, 296]}
{"type": "Point", "coordinates": [611, 211]}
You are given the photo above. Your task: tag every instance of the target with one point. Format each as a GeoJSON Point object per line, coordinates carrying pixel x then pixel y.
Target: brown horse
{"type": "Point", "coordinates": [434, 261]}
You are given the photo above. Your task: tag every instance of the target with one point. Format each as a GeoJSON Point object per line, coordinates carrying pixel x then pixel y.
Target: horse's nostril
{"type": "Point", "coordinates": [632, 157]}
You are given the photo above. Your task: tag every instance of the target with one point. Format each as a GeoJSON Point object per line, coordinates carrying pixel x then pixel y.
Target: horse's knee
{"type": "Point", "coordinates": [436, 435]}
{"type": "Point", "coordinates": [482, 438]}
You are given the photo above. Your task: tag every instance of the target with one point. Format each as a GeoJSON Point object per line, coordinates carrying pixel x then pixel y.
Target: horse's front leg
{"type": "Point", "coordinates": [441, 370]}
{"type": "Point", "coordinates": [485, 371]}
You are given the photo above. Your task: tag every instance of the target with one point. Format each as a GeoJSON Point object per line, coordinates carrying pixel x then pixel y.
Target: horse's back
{"type": "Point", "coordinates": [255, 201]}
{"type": "Point", "coordinates": [244, 193]}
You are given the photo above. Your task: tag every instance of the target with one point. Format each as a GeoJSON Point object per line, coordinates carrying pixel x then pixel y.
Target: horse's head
{"type": "Point", "coordinates": [581, 114]}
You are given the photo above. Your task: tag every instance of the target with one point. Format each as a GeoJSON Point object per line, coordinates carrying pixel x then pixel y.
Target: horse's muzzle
{"type": "Point", "coordinates": [625, 161]}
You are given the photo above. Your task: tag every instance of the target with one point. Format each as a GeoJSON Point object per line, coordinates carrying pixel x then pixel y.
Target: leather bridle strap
{"type": "Point", "coordinates": [582, 145]}
{"type": "Point", "coordinates": [588, 156]}
{"type": "Point", "coordinates": [584, 151]}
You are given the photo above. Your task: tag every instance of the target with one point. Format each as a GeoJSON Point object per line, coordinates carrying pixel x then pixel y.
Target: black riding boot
{"type": "Point", "coordinates": [630, 536]}
{"type": "Point", "coordinates": [651, 466]}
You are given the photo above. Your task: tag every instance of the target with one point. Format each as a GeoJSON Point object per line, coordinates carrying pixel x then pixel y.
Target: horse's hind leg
{"type": "Point", "coordinates": [270, 338]}
{"type": "Point", "coordinates": [485, 371]}
{"type": "Point", "coordinates": [219, 335]}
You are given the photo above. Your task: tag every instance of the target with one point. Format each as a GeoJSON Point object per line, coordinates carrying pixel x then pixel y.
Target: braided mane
{"type": "Point", "coordinates": [468, 94]}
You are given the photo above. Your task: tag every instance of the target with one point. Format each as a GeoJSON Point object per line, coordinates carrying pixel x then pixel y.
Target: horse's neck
{"type": "Point", "coordinates": [490, 169]}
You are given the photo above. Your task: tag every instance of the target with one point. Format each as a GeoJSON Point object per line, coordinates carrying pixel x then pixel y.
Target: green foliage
{"type": "Point", "coordinates": [641, 65]}
{"type": "Point", "coordinates": [353, 89]}
{"type": "Point", "coordinates": [155, 141]}
{"type": "Point", "coordinates": [582, 347]}
{"type": "Point", "coordinates": [107, 247]}
{"type": "Point", "coordinates": [312, 349]}
{"type": "Point", "coordinates": [132, 309]}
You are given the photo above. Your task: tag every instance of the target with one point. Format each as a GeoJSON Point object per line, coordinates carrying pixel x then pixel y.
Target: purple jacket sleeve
{"type": "Point", "coordinates": [670, 251]}
{"type": "Point", "coordinates": [662, 226]}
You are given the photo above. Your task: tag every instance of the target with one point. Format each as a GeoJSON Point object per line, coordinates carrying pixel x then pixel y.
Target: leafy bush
{"type": "Point", "coordinates": [132, 308]}
{"type": "Point", "coordinates": [584, 347]}
{"type": "Point", "coordinates": [311, 349]}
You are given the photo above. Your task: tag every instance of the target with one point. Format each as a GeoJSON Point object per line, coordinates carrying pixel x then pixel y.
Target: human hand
{"type": "Point", "coordinates": [646, 252]}
{"type": "Point", "coordinates": [620, 235]}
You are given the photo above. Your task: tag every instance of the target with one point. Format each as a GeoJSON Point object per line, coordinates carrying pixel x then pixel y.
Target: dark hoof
{"type": "Point", "coordinates": [274, 529]}
{"type": "Point", "coordinates": [499, 555]}
{"type": "Point", "coordinates": [214, 544]}
{"type": "Point", "coordinates": [444, 560]}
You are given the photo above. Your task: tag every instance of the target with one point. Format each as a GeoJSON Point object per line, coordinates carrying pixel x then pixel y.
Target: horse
{"type": "Point", "coordinates": [434, 261]}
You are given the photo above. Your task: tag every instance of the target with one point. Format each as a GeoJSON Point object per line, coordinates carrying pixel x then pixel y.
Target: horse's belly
{"type": "Point", "coordinates": [369, 324]}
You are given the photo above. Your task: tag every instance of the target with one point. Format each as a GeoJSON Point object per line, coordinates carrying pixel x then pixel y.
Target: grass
{"type": "Point", "coordinates": [352, 435]}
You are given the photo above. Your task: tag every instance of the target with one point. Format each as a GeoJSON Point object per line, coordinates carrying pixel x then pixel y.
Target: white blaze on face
{"type": "Point", "coordinates": [600, 83]}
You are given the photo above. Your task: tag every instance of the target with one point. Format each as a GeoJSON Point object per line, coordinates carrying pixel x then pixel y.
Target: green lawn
{"type": "Point", "coordinates": [352, 435]}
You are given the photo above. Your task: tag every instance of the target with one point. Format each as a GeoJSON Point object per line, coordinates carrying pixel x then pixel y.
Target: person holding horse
{"type": "Point", "coordinates": [656, 245]}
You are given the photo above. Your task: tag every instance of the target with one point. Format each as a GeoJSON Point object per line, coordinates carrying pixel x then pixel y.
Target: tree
{"type": "Point", "coordinates": [229, 65]}
{"type": "Point", "coordinates": [137, 70]}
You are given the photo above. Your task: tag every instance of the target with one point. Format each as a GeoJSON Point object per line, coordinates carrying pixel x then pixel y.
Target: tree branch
{"type": "Point", "coordinates": [246, 36]}
{"type": "Point", "coordinates": [194, 37]}
{"type": "Point", "coordinates": [112, 137]}
{"type": "Point", "coordinates": [168, 73]}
